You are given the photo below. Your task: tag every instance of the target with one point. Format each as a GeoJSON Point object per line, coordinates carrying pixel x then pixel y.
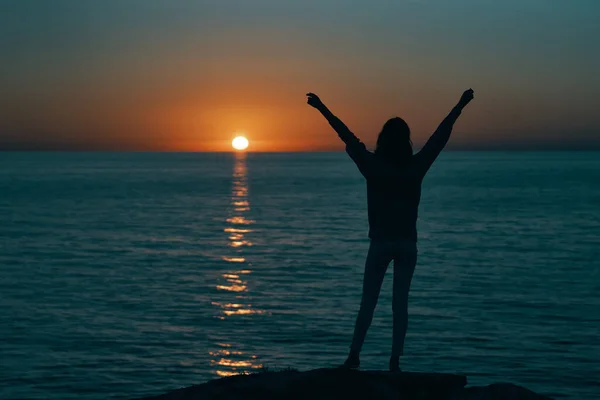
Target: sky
{"type": "Point", "coordinates": [184, 75]}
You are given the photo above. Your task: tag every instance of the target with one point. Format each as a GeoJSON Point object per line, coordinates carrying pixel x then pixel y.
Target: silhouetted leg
{"type": "Point", "coordinates": [378, 259]}
{"type": "Point", "coordinates": [405, 261]}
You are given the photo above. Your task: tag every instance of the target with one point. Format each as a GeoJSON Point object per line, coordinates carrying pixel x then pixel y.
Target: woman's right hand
{"type": "Point", "coordinates": [313, 100]}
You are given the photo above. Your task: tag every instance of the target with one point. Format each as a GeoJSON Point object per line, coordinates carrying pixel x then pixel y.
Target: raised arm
{"type": "Point", "coordinates": [438, 140]}
{"type": "Point", "coordinates": [354, 147]}
{"type": "Point", "coordinates": [342, 130]}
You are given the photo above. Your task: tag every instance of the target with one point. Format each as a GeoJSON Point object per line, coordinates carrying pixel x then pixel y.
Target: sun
{"type": "Point", "coordinates": [239, 143]}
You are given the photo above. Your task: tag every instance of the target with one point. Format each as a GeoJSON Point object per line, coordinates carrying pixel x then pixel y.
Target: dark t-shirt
{"type": "Point", "coordinates": [394, 192]}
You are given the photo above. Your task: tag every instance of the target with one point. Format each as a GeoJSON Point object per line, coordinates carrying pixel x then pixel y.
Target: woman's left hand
{"type": "Point", "coordinates": [314, 100]}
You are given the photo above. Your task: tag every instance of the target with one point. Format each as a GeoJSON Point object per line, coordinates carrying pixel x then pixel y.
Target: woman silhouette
{"type": "Point", "coordinates": [394, 177]}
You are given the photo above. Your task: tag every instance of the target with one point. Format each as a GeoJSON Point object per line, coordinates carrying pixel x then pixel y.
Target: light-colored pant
{"type": "Point", "coordinates": [381, 252]}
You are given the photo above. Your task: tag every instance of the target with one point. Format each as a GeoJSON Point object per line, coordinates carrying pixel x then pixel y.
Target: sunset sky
{"type": "Point", "coordinates": [189, 75]}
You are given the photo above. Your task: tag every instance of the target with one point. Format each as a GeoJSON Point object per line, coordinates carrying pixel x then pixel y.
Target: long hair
{"type": "Point", "coordinates": [394, 141]}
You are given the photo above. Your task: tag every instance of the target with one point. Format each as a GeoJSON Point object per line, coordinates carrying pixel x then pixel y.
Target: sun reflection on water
{"type": "Point", "coordinates": [226, 365]}
{"type": "Point", "coordinates": [233, 300]}
{"type": "Point", "coordinates": [234, 259]}
{"type": "Point", "coordinates": [239, 220]}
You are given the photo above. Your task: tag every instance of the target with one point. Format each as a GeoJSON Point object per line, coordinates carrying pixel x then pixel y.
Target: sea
{"type": "Point", "coordinates": [125, 275]}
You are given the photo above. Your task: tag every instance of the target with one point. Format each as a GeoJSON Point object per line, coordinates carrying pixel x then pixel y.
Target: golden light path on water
{"type": "Point", "coordinates": [228, 359]}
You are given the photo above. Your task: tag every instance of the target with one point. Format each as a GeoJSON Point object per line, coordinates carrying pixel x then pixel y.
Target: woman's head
{"type": "Point", "coordinates": [394, 142]}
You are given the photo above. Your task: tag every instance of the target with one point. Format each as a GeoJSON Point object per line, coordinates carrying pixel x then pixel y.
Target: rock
{"type": "Point", "coordinates": [498, 391]}
{"type": "Point", "coordinates": [347, 384]}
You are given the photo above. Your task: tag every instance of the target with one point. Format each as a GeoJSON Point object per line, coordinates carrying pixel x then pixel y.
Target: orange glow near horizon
{"type": "Point", "coordinates": [185, 78]}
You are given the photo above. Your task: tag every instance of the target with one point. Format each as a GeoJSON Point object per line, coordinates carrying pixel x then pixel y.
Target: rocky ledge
{"type": "Point", "coordinates": [347, 384]}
